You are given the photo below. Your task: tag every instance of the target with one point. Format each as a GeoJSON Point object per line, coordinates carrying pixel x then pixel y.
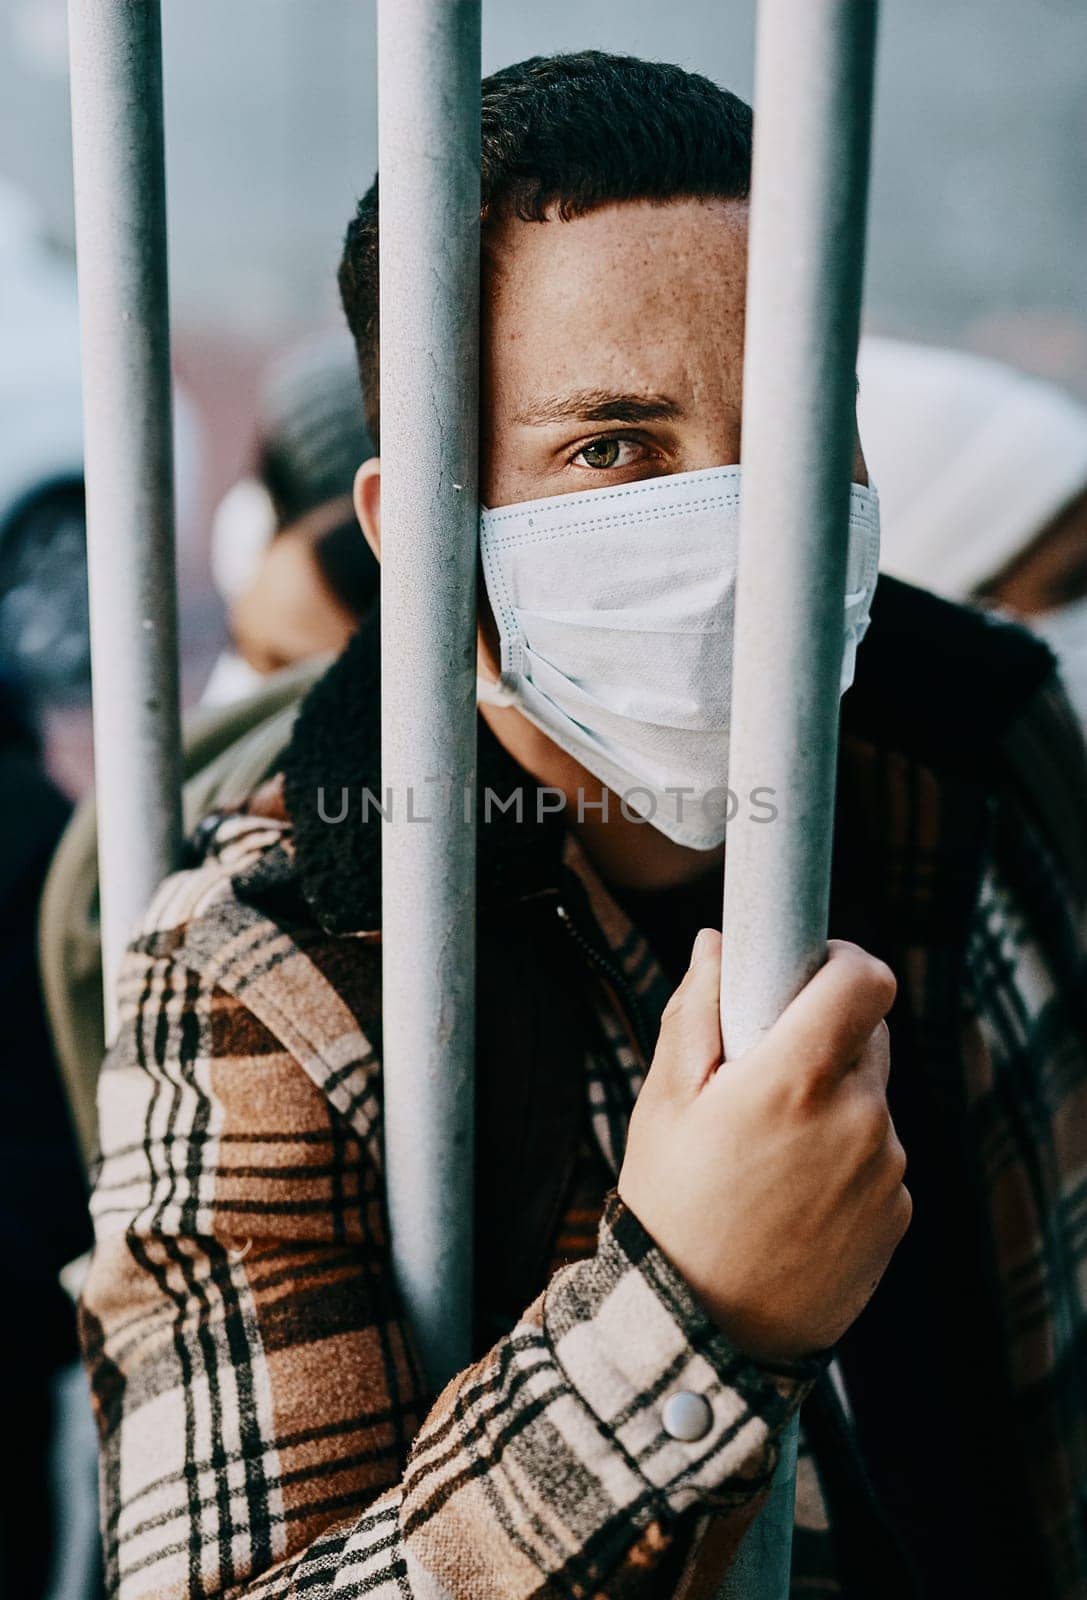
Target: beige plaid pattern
{"type": "Point", "coordinates": [265, 1429]}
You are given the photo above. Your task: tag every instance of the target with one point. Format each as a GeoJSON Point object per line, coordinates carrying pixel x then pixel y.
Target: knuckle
{"type": "Point", "coordinates": [783, 1097]}
{"type": "Point", "coordinates": [870, 980]}
{"type": "Point", "coordinates": [896, 1159]}
{"type": "Point", "coordinates": [869, 1123]}
{"type": "Point", "coordinates": [875, 1057]}
{"type": "Point", "coordinates": [808, 1084]}
{"type": "Point", "coordinates": [903, 1212]}
{"type": "Point", "coordinates": [881, 982]}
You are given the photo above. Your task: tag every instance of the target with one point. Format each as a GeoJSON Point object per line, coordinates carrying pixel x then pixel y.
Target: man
{"type": "Point", "coordinates": [265, 1427]}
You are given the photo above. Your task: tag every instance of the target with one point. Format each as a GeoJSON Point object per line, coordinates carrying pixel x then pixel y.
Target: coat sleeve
{"type": "Point", "coordinates": [264, 1427]}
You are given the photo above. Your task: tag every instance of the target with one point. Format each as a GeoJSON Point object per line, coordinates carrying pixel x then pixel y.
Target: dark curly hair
{"type": "Point", "coordinates": [567, 134]}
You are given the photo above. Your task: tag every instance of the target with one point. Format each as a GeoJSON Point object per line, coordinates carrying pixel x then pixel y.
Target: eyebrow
{"type": "Point", "coordinates": [599, 405]}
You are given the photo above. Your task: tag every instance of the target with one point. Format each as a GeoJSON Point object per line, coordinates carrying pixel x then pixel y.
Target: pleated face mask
{"type": "Point", "coordinates": [615, 613]}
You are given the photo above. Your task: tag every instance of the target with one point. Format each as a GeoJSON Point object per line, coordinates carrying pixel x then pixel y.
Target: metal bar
{"type": "Point", "coordinates": [428, 148]}
{"type": "Point", "coordinates": [813, 98]}
{"type": "Point", "coordinates": [120, 210]}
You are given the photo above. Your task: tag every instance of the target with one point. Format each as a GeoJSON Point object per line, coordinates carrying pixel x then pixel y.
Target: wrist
{"type": "Point", "coordinates": [750, 1331]}
{"type": "Point", "coordinates": [630, 1338]}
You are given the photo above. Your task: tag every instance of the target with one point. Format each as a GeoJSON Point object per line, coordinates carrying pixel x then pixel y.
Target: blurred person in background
{"type": "Point", "coordinates": [43, 1217]}
{"type": "Point", "coordinates": [43, 583]}
{"type": "Point", "coordinates": [288, 556]}
{"type": "Point", "coordinates": [982, 479]}
{"type": "Point", "coordinates": [44, 625]}
{"type": "Point", "coordinates": [48, 1515]}
{"type": "Point", "coordinates": [48, 1512]}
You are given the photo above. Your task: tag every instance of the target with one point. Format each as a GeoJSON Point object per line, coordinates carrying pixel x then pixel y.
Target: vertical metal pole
{"type": "Point", "coordinates": [428, 149]}
{"type": "Point", "coordinates": [120, 210]}
{"type": "Point", "coordinates": [813, 99]}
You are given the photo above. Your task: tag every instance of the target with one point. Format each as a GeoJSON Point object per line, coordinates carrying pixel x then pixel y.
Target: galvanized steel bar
{"type": "Point", "coordinates": [813, 99]}
{"type": "Point", "coordinates": [120, 210]}
{"type": "Point", "coordinates": [428, 159]}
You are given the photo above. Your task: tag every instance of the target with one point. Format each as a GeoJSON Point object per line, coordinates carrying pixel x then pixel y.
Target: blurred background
{"type": "Point", "coordinates": [979, 203]}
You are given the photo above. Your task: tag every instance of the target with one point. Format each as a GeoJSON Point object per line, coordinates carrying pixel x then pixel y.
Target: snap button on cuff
{"type": "Point", "coordinates": [687, 1416]}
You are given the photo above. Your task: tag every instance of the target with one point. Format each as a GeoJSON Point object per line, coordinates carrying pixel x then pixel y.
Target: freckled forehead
{"type": "Point", "coordinates": [637, 290]}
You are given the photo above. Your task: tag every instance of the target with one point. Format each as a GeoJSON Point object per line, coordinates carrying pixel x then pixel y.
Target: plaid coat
{"type": "Point", "coordinates": [265, 1427]}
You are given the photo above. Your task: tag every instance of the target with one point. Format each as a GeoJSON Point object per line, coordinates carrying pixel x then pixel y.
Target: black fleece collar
{"type": "Point", "coordinates": [935, 681]}
{"type": "Point", "coordinates": [335, 755]}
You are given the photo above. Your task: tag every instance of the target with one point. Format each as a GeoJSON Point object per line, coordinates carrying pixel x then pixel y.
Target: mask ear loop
{"type": "Point", "coordinates": [488, 693]}
{"type": "Point", "coordinates": [493, 694]}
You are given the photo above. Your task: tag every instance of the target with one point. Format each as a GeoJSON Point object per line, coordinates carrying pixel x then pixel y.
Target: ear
{"type": "Point", "coordinates": [367, 497]}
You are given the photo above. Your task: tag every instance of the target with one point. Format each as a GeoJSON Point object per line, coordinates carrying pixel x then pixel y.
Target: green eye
{"type": "Point", "coordinates": [601, 453]}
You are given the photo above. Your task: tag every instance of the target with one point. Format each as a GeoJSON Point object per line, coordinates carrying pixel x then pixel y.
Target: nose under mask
{"type": "Point", "coordinates": [615, 613]}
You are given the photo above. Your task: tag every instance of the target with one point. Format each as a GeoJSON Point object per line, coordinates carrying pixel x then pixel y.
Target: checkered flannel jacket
{"type": "Point", "coordinates": [265, 1429]}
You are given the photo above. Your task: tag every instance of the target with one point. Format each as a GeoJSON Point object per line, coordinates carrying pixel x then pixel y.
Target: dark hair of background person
{"type": "Point", "coordinates": [572, 133]}
{"type": "Point", "coordinates": [45, 636]}
{"type": "Point", "coordinates": [348, 566]}
{"type": "Point", "coordinates": [313, 438]}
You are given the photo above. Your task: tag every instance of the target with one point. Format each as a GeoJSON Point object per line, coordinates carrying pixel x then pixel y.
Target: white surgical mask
{"type": "Point", "coordinates": [615, 614]}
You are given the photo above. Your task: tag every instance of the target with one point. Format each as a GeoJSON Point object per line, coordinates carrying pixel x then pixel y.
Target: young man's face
{"type": "Point", "coordinates": [612, 347]}
{"type": "Point", "coordinates": [612, 350]}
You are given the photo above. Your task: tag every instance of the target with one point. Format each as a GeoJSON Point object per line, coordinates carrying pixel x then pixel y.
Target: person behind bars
{"type": "Point", "coordinates": [673, 1255]}
{"type": "Point", "coordinates": [982, 474]}
{"type": "Point", "coordinates": [285, 552]}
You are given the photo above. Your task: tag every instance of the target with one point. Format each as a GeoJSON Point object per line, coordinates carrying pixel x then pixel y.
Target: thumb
{"type": "Point", "coordinates": [689, 1047]}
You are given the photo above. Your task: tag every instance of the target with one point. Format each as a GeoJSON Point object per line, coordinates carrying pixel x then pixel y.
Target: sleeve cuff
{"type": "Point", "coordinates": [628, 1335]}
